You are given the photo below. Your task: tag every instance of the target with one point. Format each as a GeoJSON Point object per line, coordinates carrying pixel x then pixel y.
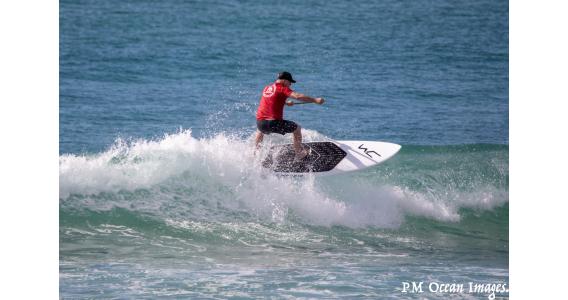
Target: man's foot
{"type": "Point", "coordinates": [303, 153]}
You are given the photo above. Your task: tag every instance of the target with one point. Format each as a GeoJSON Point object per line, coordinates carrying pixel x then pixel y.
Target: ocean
{"type": "Point", "coordinates": [161, 196]}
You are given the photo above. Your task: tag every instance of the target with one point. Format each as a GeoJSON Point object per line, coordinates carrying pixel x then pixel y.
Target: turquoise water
{"type": "Point", "coordinates": [161, 197]}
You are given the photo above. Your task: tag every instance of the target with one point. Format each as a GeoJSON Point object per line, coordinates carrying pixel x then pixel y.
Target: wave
{"type": "Point", "coordinates": [178, 179]}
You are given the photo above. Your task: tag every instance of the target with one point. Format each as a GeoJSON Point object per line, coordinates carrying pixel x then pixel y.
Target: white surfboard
{"type": "Point", "coordinates": [331, 157]}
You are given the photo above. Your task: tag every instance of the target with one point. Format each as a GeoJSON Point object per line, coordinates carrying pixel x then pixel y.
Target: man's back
{"type": "Point", "coordinates": [272, 102]}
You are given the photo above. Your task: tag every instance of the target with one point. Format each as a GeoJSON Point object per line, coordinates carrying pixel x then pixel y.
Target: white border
{"type": "Point", "coordinates": [538, 151]}
{"type": "Point", "coordinates": [29, 128]}
{"type": "Point", "coordinates": [29, 152]}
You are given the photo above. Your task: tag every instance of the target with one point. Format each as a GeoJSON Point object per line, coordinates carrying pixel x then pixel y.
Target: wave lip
{"type": "Point", "coordinates": [143, 164]}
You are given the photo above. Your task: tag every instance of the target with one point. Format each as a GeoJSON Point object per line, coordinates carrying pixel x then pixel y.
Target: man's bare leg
{"type": "Point", "coordinates": [258, 139]}
{"type": "Point", "coordinates": [300, 152]}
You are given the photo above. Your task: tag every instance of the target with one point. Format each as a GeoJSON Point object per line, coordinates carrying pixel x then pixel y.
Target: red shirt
{"type": "Point", "coordinates": [272, 102]}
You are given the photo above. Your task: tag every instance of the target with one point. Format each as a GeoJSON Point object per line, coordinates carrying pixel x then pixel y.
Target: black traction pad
{"type": "Point", "coordinates": [323, 157]}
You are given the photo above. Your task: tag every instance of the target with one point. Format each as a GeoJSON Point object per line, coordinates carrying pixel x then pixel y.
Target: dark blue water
{"type": "Point", "coordinates": [425, 72]}
{"type": "Point", "coordinates": [159, 194]}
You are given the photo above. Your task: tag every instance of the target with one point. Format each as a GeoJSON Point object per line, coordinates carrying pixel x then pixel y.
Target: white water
{"type": "Point", "coordinates": [180, 177]}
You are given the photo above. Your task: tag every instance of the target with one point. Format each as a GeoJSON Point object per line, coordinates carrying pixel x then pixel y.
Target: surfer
{"type": "Point", "coordinates": [269, 116]}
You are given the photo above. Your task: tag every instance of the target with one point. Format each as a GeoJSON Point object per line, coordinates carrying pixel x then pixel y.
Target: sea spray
{"type": "Point", "coordinates": [179, 177]}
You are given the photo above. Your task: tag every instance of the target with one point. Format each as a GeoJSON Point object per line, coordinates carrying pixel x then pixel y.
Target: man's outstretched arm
{"type": "Point", "coordinates": [305, 98]}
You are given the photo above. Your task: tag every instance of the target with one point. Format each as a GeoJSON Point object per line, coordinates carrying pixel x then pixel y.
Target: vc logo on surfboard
{"type": "Point", "coordinates": [366, 150]}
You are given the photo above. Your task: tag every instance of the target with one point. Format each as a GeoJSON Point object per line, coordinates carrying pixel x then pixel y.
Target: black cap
{"type": "Point", "coordinates": [287, 76]}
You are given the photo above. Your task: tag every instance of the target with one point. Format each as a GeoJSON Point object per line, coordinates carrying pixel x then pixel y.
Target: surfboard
{"type": "Point", "coordinates": [330, 157]}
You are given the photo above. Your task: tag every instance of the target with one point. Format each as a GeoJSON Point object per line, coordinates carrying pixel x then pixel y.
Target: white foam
{"type": "Point", "coordinates": [183, 177]}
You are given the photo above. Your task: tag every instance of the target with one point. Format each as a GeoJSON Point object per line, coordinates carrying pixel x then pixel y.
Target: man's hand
{"type": "Point", "coordinates": [290, 103]}
{"type": "Point", "coordinates": [319, 101]}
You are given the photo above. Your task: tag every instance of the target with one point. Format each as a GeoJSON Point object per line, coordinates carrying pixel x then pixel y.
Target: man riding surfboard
{"type": "Point", "coordinates": [270, 113]}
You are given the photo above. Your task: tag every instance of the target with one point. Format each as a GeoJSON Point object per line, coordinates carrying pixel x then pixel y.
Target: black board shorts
{"type": "Point", "coordinates": [276, 126]}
